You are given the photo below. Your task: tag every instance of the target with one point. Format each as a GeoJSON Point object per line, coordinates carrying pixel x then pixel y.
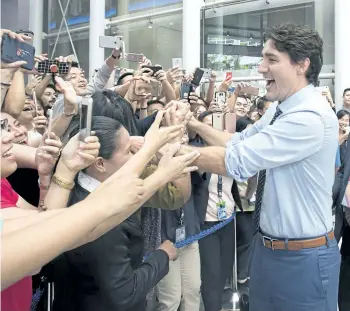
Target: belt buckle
{"type": "Point", "coordinates": [271, 240]}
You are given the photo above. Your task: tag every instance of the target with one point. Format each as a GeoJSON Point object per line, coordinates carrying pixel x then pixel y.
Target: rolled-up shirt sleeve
{"type": "Point", "coordinates": [290, 139]}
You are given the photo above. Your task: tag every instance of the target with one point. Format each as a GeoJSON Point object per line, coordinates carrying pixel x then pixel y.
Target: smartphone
{"type": "Point", "coordinates": [155, 69]}
{"type": "Point", "coordinates": [220, 98]}
{"type": "Point", "coordinates": [228, 76]}
{"type": "Point", "coordinates": [197, 77]}
{"type": "Point", "coordinates": [13, 51]}
{"type": "Point", "coordinates": [186, 89]}
{"type": "Point", "coordinates": [134, 57]}
{"type": "Point", "coordinates": [85, 118]}
{"type": "Point", "coordinates": [207, 73]}
{"type": "Point", "coordinates": [250, 90]}
{"type": "Point", "coordinates": [142, 87]}
{"type": "Point", "coordinates": [53, 66]}
{"type": "Point", "coordinates": [177, 62]}
{"type": "Point", "coordinates": [49, 128]}
{"type": "Point", "coordinates": [218, 121]}
{"type": "Point", "coordinates": [230, 122]}
{"type": "Point", "coordinates": [107, 42]}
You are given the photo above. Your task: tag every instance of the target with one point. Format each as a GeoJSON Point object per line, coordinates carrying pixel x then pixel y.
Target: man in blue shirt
{"type": "Point", "coordinates": [295, 261]}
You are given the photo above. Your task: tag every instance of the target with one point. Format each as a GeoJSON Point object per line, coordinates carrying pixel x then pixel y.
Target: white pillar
{"type": "Point", "coordinates": [97, 29]}
{"type": "Point", "coordinates": [191, 34]}
{"type": "Point", "coordinates": [36, 12]}
{"type": "Point", "coordinates": [342, 48]}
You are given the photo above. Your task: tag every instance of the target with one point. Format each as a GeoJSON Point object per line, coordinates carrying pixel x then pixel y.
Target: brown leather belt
{"type": "Point", "coordinates": [295, 245]}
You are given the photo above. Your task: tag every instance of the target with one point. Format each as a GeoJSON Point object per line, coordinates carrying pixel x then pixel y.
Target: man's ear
{"type": "Point", "coordinates": [100, 165]}
{"type": "Point", "coordinates": [303, 66]}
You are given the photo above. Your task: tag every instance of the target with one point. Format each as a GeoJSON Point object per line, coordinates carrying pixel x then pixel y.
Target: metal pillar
{"type": "Point", "coordinates": [97, 28]}
{"type": "Point", "coordinates": [36, 13]}
{"type": "Point", "coordinates": [342, 48]}
{"type": "Point", "coordinates": [191, 33]}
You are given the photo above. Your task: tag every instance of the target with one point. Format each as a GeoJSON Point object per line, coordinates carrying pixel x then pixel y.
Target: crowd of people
{"type": "Point", "coordinates": [153, 208]}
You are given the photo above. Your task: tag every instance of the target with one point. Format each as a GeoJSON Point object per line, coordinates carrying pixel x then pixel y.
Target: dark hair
{"type": "Point", "coordinates": [123, 76]}
{"type": "Point", "coordinates": [346, 90]}
{"type": "Point", "coordinates": [51, 86]}
{"type": "Point", "coordinates": [111, 105]}
{"type": "Point", "coordinates": [75, 64]}
{"type": "Point", "coordinates": [342, 113]}
{"type": "Point", "coordinates": [204, 115]}
{"type": "Point", "coordinates": [260, 102]}
{"type": "Point", "coordinates": [155, 101]}
{"type": "Point", "coordinates": [107, 130]}
{"type": "Point", "coordinates": [300, 43]}
{"type": "Point", "coordinates": [242, 123]}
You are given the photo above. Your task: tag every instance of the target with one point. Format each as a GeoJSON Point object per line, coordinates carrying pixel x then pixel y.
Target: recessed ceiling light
{"type": "Point", "coordinates": [171, 23]}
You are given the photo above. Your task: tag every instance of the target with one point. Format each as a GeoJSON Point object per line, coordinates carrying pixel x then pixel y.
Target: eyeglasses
{"type": "Point", "coordinates": [5, 125]}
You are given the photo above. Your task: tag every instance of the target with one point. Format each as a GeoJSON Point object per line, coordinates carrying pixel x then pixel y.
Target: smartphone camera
{"type": "Point", "coordinates": [85, 118]}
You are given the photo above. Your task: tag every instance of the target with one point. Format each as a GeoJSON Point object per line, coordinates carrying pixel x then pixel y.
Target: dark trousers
{"type": "Point", "coordinates": [303, 280]}
{"type": "Point", "coordinates": [217, 255]}
{"type": "Point", "coordinates": [244, 243]}
{"type": "Point", "coordinates": [344, 284]}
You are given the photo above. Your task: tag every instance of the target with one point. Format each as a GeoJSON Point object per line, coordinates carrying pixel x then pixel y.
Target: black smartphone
{"type": "Point", "coordinates": [13, 51]}
{"type": "Point", "coordinates": [186, 89]}
{"type": "Point", "coordinates": [85, 118]}
{"type": "Point", "coordinates": [155, 69]}
{"type": "Point", "coordinates": [197, 77]}
{"type": "Point", "coordinates": [53, 66]}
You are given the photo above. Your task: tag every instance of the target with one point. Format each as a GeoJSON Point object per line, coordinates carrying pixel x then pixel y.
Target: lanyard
{"type": "Point", "coordinates": [182, 216]}
{"type": "Point", "coordinates": [220, 187]}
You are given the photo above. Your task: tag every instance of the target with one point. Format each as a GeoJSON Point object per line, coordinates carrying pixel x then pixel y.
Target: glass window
{"type": "Point", "coordinates": [232, 36]}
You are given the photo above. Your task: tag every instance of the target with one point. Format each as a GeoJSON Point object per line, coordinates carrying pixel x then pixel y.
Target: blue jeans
{"type": "Point", "coordinates": [305, 280]}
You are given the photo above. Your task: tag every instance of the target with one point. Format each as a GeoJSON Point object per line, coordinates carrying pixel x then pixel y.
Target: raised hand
{"type": "Point", "coordinates": [173, 167]}
{"type": "Point", "coordinates": [157, 137]}
{"type": "Point", "coordinates": [47, 154]}
{"type": "Point", "coordinates": [78, 155]}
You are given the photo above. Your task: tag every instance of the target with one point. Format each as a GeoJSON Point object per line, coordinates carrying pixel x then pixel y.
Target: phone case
{"type": "Point", "coordinates": [185, 90]}
{"type": "Point", "coordinates": [220, 98]}
{"type": "Point", "coordinates": [137, 58]}
{"type": "Point", "coordinates": [111, 42]}
{"type": "Point", "coordinates": [85, 118]}
{"type": "Point", "coordinates": [141, 88]}
{"type": "Point", "coordinates": [155, 69]}
{"type": "Point", "coordinates": [45, 67]}
{"type": "Point", "coordinates": [198, 75]}
{"type": "Point", "coordinates": [250, 90]}
{"type": "Point", "coordinates": [218, 121]}
{"type": "Point", "coordinates": [13, 51]}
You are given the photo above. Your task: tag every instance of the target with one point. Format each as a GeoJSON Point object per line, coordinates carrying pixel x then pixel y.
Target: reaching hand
{"type": "Point", "coordinates": [47, 154]}
{"type": "Point", "coordinates": [173, 166]}
{"type": "Point", "coordinates": [174, 75]}
{"type": "Point", "coordinates": [40, 123]}
{"type": "Point", "coordinates": [160, 76]}
{"type": "Point", "coordinates": [157, 137]}
{"type": "Point", "coordinates": [70, 96]}
{"type": "Point", "coordinates": [240, 86]}
{"type": "Point", "coordinates": [213, 76]}
{"type": "Point", "coordinates": [136, 143]}
{"type": "Point", "coordinates": [176, 113]}
{"type": "Point", "coordinates": [77, 156]}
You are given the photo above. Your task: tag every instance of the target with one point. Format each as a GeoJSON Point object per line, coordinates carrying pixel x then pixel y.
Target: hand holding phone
{"type": "Point", "coordinates": [218, 121]}
{"type": "Point", "coordinates": [15, 52]}
{"type": "Point", "coordinates": [134, 57]}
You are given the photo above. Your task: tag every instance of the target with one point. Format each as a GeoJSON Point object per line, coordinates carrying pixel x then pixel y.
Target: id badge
{"type": "Point", "coordinates": [222, 215]}
{"type": "Point", "coordinates": [180, 234]}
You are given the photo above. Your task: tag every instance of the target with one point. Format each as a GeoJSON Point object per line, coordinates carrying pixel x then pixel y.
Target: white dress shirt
{"type": "Point", "coordinates": [298, 151]}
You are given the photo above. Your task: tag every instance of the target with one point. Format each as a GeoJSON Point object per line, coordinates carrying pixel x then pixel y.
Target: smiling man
{"type": "Point", "coordinates": [295, 262]}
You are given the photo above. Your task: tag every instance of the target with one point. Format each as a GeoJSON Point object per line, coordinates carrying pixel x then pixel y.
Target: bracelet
{"type": "Point", "coordinates": [42, 187]}
{"type": "Point", "coordinates": [42, 206]}
{"type": "Point", "coordinates": [6, 84]}
{"type": "Point", "coordinates": [69, 114]}
{"type": "Point", "coordinates": [143, 108]}
{"type": "Point", "coordinates": [63, 184]}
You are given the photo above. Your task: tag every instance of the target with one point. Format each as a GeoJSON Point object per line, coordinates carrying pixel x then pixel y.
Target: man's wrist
{"type": "Point", "coordinates": [44, 181]}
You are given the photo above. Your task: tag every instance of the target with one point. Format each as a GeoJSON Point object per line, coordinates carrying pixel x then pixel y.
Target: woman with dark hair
{"type": "Point", "coordinates": [243, 123]}
{"type": "Point", "coordinates": [344, 122]}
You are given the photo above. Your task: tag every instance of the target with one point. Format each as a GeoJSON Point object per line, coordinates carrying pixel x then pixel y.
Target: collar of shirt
{"type": "Point", "coordinates": [296, 98]}
{"type": "Point", "coordinates": [87, 182]}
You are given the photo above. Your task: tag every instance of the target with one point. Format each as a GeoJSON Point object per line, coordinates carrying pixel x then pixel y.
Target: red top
{"type": "Point", "coordinates": [17, 297]}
